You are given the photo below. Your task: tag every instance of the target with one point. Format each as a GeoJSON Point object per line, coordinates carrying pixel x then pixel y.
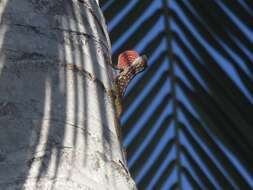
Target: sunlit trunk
{"type": "Point", "coordinates": [57, 121]}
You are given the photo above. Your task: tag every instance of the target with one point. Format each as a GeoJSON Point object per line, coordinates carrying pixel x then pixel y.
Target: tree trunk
{"type": "Point", "coordinates": [57, 122]}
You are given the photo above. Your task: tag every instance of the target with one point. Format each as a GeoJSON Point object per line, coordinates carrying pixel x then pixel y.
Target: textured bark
{"type": "Point", "coordinates": [57, 122]}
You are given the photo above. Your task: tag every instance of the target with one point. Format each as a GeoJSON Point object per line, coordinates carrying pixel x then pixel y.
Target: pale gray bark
{"type": "Point", "coordinates": [57, 122]}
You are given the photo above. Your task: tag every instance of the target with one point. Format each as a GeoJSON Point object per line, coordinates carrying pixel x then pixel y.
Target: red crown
{"type": "Point", "coordinates": [127, 58]}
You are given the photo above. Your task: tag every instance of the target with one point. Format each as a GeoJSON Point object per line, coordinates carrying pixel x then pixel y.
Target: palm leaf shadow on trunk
{"type": "Point", "coordinates": [54, 81]}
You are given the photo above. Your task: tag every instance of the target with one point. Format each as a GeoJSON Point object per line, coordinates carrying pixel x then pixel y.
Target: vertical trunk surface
{"type": "Point", "coordinates": [57, 122]}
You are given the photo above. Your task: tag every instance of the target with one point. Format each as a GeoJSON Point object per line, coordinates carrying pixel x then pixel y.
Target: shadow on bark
{"type": "Point", "coordinates": [45, 102]}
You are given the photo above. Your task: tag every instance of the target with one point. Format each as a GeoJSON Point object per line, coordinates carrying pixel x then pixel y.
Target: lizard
{"type": "Point", "coordinates": [130, 63]}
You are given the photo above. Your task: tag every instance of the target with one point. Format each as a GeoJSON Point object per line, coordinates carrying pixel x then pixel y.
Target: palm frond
{"type": "Point", "coordinates": [193, 105]}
